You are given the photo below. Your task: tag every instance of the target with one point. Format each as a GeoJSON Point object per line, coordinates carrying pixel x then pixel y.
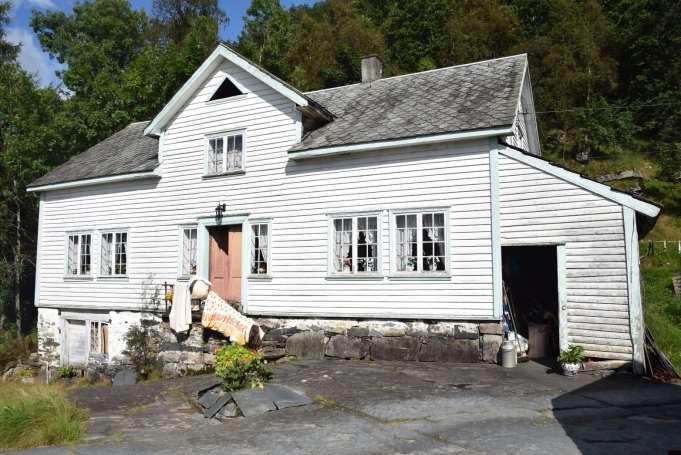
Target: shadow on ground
{"type": "Point", "coordinates": [621, 414]}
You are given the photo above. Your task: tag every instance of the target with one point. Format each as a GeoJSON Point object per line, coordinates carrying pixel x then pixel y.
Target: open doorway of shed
{"type": "Point", "coordinates": [530, 275]}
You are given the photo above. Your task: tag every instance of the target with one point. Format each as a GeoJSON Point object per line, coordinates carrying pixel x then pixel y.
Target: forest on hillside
{"type": "Point", "coordinates": [606, 77]}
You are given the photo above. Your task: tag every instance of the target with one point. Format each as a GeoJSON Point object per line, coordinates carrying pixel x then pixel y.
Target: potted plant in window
{"type": "Point", "coordinates": [571, 360]}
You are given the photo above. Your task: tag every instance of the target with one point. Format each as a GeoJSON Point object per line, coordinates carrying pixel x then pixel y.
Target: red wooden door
{"type": "Point", "coordinates": [225, 261]}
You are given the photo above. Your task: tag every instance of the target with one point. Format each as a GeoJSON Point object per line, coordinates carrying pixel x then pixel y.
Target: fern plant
{"type": "Point", "coordinates": [573, 354]}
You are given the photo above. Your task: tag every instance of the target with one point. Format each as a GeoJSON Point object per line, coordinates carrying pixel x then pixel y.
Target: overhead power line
{"type": "Point", "coordinates": [609, 108]}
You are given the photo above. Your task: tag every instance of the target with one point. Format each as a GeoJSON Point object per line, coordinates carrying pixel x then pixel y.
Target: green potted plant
{"type": "Point", "coordinates": [571, 359]}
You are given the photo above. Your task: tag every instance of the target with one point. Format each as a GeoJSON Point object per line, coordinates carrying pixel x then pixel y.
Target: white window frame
{"type": "Point", "coordinates": [252, 223]}
{"type": "Point", "coordinates": [224, 136]}
{"type": "Point", "coordinates": [98, 349]}
{"type": "Point", "coordinates": [112, 259]}
{"type": "Point", "coordinates": [331, 269]}
{"type": "Point", "coordinates": [420, 273]}
{"type": "Point", "coordinates": [180, 265]}
{"type": "Point", "coordinates": [79, 274]}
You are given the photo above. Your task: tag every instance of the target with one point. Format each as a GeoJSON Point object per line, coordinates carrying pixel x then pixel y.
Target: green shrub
{"type": "Point", "coordinates": [239, 367]}
{"type": "Point", "coordinates": [66, 371]}
{"type": "Point", "coordinates": [573, 354]}
{"type": "Point", "coordinates": [38, 415]}
{"type": "Point", "coordinates": [142, 347]}
{"type": "Point", "coordinates": [14, 347]}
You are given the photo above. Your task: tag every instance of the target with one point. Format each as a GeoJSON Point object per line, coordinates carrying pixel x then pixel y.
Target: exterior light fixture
{"type": "Point", "coordinates": [220, 209]}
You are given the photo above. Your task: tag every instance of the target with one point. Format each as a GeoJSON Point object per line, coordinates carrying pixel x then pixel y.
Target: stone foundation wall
{"type": "Point", "coordinates": [193, 352]}
{"type": "Point", "coordinates": [425, 341]}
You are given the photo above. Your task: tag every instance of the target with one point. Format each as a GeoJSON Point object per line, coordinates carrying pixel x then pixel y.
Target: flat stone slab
{"type": "Point", "coordinates": [127, 376]}
{"type": "Point", "coordinates": [285, 397]}
{"type": "Point", "coordinates": [271, 397]}
{"type": "Point", "coordinates": [209, 398]}
{"type": "Point", "coordinates": [218, 405]}
{"type": "Point", "coordinates": [253, 402]}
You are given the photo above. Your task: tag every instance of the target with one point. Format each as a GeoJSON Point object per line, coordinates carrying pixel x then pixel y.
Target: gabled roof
{"type": "Point", "coordinates": [476, 96]}
{"type": "Point", "coordinates": [220, 54]}
{"type": "Point", "coordinates": [128, 151]}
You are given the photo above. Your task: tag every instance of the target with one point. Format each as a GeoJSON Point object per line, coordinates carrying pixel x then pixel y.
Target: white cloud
{"type": "Point", "coordinates": [41, 4]}
{"type": "Point", "coordinates": [32, 58]}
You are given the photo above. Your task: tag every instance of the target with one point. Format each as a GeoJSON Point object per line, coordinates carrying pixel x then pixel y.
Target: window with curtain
{"type": "Point", "coordinates": [260, 249]}
{"type": "Point", "coordinates": [420, 244]}
{"type": "Point", "coordinates": [225, 154]}
{"type": "Point", "coordinates": [189, 235]}
{"type": "Point", "coordinates": [79, 255]}
{"type": "Point", "coordinates": [355, 244]}
{"type": "Point", "coordinates": [114, 254]}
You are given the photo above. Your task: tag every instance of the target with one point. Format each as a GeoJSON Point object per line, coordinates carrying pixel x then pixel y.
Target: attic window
{"type": "Point", "coordinates": [226, 90]}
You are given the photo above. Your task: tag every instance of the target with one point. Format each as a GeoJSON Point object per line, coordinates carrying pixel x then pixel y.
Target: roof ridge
{"type": "Point", "coordinates": [461, 65]}
{"type": "Point", "coordinates": [140, 121]}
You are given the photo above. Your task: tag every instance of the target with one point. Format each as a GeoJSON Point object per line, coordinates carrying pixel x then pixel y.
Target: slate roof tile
{"type": "Point", "coordinates": [459, 98]}
{"type": "Point", "coordinates": [125, 152]}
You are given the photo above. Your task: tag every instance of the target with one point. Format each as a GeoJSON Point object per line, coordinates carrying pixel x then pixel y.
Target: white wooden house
{"type": "Point", "coordinates": [394, 198]}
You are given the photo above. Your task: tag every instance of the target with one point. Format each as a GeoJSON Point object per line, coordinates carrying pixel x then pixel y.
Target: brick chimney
{"type": "Point", "coordinates": [372, 68]}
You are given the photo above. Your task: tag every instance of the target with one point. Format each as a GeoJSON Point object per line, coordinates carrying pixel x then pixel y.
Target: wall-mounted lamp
{"type": "Point", "coordinates": [220, 209]}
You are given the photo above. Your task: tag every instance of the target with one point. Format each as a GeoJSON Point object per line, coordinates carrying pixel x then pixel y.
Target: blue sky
{"type": "Point", "coordinates": [37, 62]}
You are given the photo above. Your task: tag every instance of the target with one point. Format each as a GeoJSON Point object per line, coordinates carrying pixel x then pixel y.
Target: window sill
{"type": "Point", "coordinates": [113, 277]}
{"type": "Point", "coordinates": [355, 276]}
{"type": "Point", "coordinates": [260, 277]}
{"type": "Point", "coordinates": [223, 174]}
{"type": "Point", "coordinates": [78, 278]}
{"type": "Point", "coordinates": [421, 277]}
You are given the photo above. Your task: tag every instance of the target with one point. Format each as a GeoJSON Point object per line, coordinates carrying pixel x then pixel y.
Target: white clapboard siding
{"type": "Point", "coordinates": [539, 208]}
{"type": "Point", "coordinates": [297, 197]}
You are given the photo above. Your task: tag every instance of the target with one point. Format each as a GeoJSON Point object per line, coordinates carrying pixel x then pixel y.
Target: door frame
{"type": "Point", "coordinates": [203, 248]}
{"type": "Point", "coordinates": [561, 285]}
{"type": "Point", "coordinates": [88, 317]}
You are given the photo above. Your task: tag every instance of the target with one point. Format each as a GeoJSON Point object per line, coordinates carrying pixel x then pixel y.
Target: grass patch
{"type": "Point", "coordinates": [662, 307]}
{"type": "Point", "coordinates": [34, 415]}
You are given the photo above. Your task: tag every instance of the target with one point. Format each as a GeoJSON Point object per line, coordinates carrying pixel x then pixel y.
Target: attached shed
{"type": "Point", "coordinates": [590, 238]}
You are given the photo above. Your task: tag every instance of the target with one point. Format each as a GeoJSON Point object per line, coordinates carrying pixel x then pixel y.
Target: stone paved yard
{"type": "Point", "coordinates": [393, 407]}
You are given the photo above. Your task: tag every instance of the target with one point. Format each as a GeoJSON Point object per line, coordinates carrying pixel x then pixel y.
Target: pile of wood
{"type": "Point", "coordinates": [658, 365]}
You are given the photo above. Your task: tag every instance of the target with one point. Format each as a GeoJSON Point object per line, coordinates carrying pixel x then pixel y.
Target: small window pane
{"type": "Point", "coordinates": [433, 242]}
{"type": "Point", "coordinates": [367, 244]}
{"type": "Point", "coordinates": [106, 260]}
{"type": "Point", "coordinates": [85, 256]}
{"type": "Point", "coordinates": [189, 251]}
{"type": "Point", "coordinates": [343, 245]}
{"type": "Point", "coordinates": [407, 248]}
{"type": "Point", "coordinates": [259, 249]}
{"type": "Point", "coordinates": [215, 156]}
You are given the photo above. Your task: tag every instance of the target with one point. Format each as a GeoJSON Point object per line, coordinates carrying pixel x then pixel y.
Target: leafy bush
{"type": "Point", "coordinates": [38, 415]}
{"type": "Point", "coordinates": [240, 367]}
{"type": "Point", "coordinates": [573, 354]}
{"type": "Point", "coordinates": [66, 371]}
{"type": "Point", "coordinates": [142, 347]}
